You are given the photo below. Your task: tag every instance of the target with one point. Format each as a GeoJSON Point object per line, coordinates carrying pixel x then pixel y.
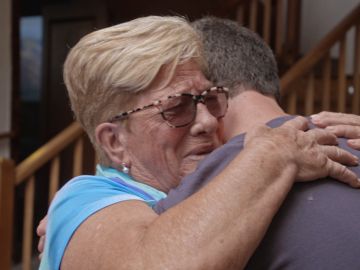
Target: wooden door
{"type": "Point", "coordinates": [64, 25]}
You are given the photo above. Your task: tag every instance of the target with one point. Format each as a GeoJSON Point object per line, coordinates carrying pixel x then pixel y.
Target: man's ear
{"type": "Point", "coordinates": [109, 139]}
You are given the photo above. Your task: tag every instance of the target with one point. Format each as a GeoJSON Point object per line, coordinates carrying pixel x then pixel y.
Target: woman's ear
{"type": "Point", "coordinates": [108, 138]}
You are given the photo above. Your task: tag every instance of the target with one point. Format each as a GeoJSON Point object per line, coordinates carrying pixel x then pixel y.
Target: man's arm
{"type": "Point", "coordinates": [216, 228]}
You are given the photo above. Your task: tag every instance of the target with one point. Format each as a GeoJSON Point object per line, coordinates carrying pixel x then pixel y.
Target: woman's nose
{"type": "Point", "coordinates": [204, 121]}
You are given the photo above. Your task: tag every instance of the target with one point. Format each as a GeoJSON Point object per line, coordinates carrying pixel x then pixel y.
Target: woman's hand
{"type": "Point", "coordinates": [340, 124]}
{"type": "Point", "coordinates": [313, 152]}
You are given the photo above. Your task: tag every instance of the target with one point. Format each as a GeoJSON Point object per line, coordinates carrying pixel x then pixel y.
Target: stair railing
{"type": "Point", "coordinates": [12, 176]}
{"type": "Point", "coordinates": [277, 21]}
{"type": "Point", "coordinates": [315, 83]}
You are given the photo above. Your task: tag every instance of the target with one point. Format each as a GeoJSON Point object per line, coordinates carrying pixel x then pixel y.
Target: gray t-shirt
{"type": "Point", "coordinates": [318, 226]}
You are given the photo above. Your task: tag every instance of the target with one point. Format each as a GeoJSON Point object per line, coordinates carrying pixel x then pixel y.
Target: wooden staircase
{"type": "Point", "coordinates": [277, 22]}
{"type": "Point", "coordinates": [314, 83]}
{"type": "Point", "coordinates": [24, 174]}
{"type": "Point", "coordinates": [310, 85]}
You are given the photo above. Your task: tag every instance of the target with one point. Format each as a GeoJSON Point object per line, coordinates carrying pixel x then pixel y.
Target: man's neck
{"type": "Point", "coordinates": [248, 110]}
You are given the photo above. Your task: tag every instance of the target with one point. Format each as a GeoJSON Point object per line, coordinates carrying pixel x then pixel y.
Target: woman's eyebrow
{"type": "Point", "coordinates": [190, 86]}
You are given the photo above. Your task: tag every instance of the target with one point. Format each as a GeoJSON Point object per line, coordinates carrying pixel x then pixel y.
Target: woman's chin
{"type": "Point", "coordinates": [190, 163]}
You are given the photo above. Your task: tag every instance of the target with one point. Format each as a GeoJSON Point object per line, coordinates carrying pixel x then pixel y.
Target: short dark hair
{"type": "Point", "coordinates": [237, 57]}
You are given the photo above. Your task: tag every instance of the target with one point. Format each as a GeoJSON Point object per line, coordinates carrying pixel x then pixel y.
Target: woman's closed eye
{"type": "Point", "coordinates": [177, 110]}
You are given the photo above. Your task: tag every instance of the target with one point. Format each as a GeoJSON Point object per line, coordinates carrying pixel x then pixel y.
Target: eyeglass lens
{"type": "Point", "coordinates": [181, 110]}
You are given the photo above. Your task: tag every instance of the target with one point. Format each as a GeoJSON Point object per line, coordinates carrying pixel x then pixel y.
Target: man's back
{"type": "Point", "coordinates": [318, 226]}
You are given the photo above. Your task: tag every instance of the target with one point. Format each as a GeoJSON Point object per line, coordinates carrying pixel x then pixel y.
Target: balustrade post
{"type": "Point", "coordinates": [7, 187]}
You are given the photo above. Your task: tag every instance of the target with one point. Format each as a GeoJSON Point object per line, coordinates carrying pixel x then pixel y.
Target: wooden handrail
{"type": "Point", "coordinates": [11, 176]}
{"type": "Point", "coordinates": [311, 58]}
{"type": "Point", "coordinates": [31, 164]}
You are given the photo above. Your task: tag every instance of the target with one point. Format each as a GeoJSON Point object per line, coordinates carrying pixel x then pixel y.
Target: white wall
{"type": "Point", "coordinates": [5, 74]}
{"type": "Point", "coordinates": [319, 17]}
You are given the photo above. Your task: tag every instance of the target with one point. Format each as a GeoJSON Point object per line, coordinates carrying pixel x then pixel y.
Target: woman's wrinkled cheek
{"type": "Point", "coordinates": [189, 164]}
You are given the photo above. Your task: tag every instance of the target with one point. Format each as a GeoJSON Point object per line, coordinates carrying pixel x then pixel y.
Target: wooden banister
{"type": "Point", "coordinates": [253, 15]}
{"type": "Point", "coordinates": [7, 187]}
{"type": "Point", "coordinates": [78, 157]}
{"type": "Point", "coordinates": [54, 177]}
{"type": "Point", "coordinates": [309, 95]}
{"type": "Point", "coordinates": [279, 27]}
{"type": "Point", "coordinates": [311, 58]}
{"type": "Point", "coordinates": [326, 97]}
{"type": "Point", "coordinates": [30, 165]}
{"type": "Point", "coordinates": [11, 176]}
{"type": "Point", "coordinates": [267, 21]}
{"type": "Point", "coordinates": [356, 99]}
{"type": "Point", "coordinates": [28, 223]}
{"type": "Point", "coordinates": [342, 76]}
{"type": "Point", "coordinates": [276, 21]}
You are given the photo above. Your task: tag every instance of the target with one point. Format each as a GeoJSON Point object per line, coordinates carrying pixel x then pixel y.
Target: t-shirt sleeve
{"type": "Point", "coordinates": [72, 205]}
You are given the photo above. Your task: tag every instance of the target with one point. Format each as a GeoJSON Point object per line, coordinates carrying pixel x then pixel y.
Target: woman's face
{"type": "Point", "coordinates": [158, 154]}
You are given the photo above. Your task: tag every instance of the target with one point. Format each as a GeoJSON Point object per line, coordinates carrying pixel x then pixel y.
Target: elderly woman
{"type": "Point", "coordinates": [139, 91]}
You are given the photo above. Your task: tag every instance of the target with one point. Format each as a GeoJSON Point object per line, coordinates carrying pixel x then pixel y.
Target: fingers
{"type": "Point", "coordinates": [340, 155]}
{"type": "Point", "coordinates": [337, 159]}
{"type": "Point", "coordinates": [350, 132]}
{"type": "Point", "coordinates": [343, 174]}
{"type": "Point", "coordinates": [322, 136]}
{"type": "Point", "coordinates": [325, 119]}
{"type": "Point", "coordinates": [41, 232]}
{"type": "Point", "coordinates": [41, 229]}
{"type": "Point", "coordinates": [300, 123]}
{"type": "Point", "coordinates": [354, 144]}
{"type": "Point", "coordinates": [41, 246]}
{"type": "Point", "coordinates": [340, 124]}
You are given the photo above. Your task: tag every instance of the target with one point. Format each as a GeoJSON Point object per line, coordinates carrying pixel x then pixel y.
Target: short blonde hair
{"type": "Point", "coordinates": [108, 67]}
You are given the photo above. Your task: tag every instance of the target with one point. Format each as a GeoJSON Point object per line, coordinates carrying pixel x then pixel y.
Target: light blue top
{"type": "Point", "coordinates": [83, 196]}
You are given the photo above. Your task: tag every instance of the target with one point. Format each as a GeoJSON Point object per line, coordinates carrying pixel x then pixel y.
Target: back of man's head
{"type": "Point", "coordinates": [237, 57]}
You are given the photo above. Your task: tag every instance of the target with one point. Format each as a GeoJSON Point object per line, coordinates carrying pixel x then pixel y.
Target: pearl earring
{"type": "Point", "coordinates": [125, 169]}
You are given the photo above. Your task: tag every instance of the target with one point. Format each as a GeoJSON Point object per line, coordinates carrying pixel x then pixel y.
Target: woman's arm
{"type": "Point", "coordinates": [220, 226]}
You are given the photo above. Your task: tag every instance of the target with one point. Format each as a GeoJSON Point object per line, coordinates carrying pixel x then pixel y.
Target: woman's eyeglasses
{"type": "Point", "coordinates": [180, 110]}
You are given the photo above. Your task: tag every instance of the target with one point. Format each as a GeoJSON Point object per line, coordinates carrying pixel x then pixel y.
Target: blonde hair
{"type": "Point", "coordinates": [107, 67]}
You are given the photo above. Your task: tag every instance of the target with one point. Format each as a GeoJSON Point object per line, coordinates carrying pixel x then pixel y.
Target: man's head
{"type": "Point", "coordinates": [237, 57]}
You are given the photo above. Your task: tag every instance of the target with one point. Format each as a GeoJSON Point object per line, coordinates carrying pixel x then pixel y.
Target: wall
{"type": "Point", "coordinates": [321, 16]}
{"type": "Point", "coordinates": [5, 74]}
